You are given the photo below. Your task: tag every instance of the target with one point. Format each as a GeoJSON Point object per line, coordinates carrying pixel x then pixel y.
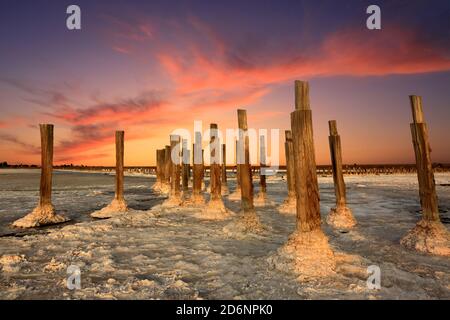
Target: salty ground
{"type": "Point", "coordinates": [154, 253]}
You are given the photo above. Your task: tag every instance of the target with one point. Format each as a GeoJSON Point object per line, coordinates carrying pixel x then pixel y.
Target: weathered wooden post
{"type": "Point", "coordinates": [236, 195]}
{"type": "Point", "coordinates": [340, 216]}
{"type": "Point", "coordinates": [186, 167]}
{"type": "Point", "coordinates": [245, 168]}
{"type": "Point", "coordinates": [197, 171]}
{"type": "Point", "coordinates": [215, 173]}
{"type": "Point", "coordinates": [261, 199]}
{"type": "Point", "coordinates": [175, 171]}
{"type": "Point", "coordinates": [216, 209]}
{"type": "Point", "coordinates": [166, 170]}
{"type": "Point", "coordinates": [44, 213]}
{"type": "Point", "coordinates": [159, 170]}
{"type": "Point", "coordinates": [429, 235]}
{"type": "Point", "coordinates": [289, 206]}
{"type": "Point", "coordinates": [118, 205]}
{"type": "Point", "coordinates": [224, 187]}
{"type": "Point", "coordinates": [248, 221]}
{"type": "Point", "coordinates": [307, 249]}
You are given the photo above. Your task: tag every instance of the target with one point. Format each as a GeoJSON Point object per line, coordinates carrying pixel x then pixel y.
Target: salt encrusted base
{"type": "Point", "coordinates": [115, 208]}
{"type": "Point", "coordinates": [157, 186]}
{"type": "Point", "coordinates": [306, 254]}
{"type": "Point", "coordinates": [236, 195]}
{"type": "Point", "coordinates": [195, 200]}
{"type": "Point", "coordinates": [164, 188]}
{"type": "Point", "coordinates": [247, 223]}
{"type": "Point", "coordinates": [289, 206]}
{"type": "Point", "coordinates": [428, 237]}
{"type": "Point", "coordinates": [224, 190]}
{"type": "Point", "coordinates": [261, 200]}
{"type": "Point", "coordinates": [215, 210]}
{"type": "Point", "coordinates": [341, 218]}
{"type": "Point", "coordinates": [172, 201]}
{"type": "Point", "coordinates": [40, 216]}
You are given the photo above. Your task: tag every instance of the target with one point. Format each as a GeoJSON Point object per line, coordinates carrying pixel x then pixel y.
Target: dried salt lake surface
{"type": "Point", "coordinates": [170, 254]}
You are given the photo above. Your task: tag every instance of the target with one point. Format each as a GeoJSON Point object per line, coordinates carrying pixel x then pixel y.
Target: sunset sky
{"type": "Point", "coordinates": [149, 67]}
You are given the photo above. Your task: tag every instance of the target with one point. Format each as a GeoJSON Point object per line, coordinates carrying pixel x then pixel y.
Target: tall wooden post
{"type": "Point", "coordinates": [248, 221]}
{"type": "Point", "coordinates": [422, 150]}
{"type": "Point", "coordinates": [429, 235]}
{"type": "Point", "coordinates": [340, 216]}
{"type": "Point", "coordinates": [167, 169]}
{"type": "Point", "coordinates": [306, 184]}
{"type": "Point", "coordinates": [186, 166]}
{"type": "Point", "coordinates": [215, 183]}
{"type": "Point", "coordinates": [224, 187]}
{"type": "Point", "coordinates": [44, 213]}
{"type": "Point", "coordinates": [159, 169]}
{"type": "Point", "coordinates": [203, 171]}
{"type": "Point", "coordinates": [118, 205]}
{"type": "Point", "coordinates": [175, 193]}
{"type": "Point", "coordinates": [216, 209]}
{"type": "Point", "coordinates": [198, 171]}
{"type": "Point", "coordinates": [245, 168]}
{"type": "Point", "coordinates": [45, 190]}
{"type": "Point", "coordinates": [236, 195]}
{"type": "Point", "coordinates": [261, 199]}
{"type": "Point", "coordinates": [308, 245]}
{"type": "Point", "coordinates": [119, 165]}
{"type": "Point", "coordinates": [174, 198]}
{"type": "Point", "coordinates": [289, 205]}
{"type": "Point", "coordinates": [262, 164]}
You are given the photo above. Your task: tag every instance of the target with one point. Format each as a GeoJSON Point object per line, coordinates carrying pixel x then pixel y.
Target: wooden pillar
{"type": "Point", "coordinates": [215, 172]}
{"type": "Point", "coordinates": [427, 188]}
{"type": "Point", "coordinates": [160, 154]}
{"type": "Point", "coordinates": [262, 164]}
{"type": "Point", "coordinates": [119, 165]}
{"type": "Point", "coordinates": [224, 168]}
{"type": "Point", "coordinates": [238, 171]}
{"type": "Point", "coordinates": [336, 163]}
{"type": "Point", "coordinates": [198, 169]}
{"type": "Point", "coordinates": [245, 168]}
{"type": "Point", "coordinates": [340, 217]}
{"type": "Point", "coordinates": [429, 235]}
{"type": "Point", "coordinates": [167, 167]}
{"type": "Point", "coordinates": [44, 213]}
{"type": "Point", "coordinates": [45, 190]}
{"type": "Point", "coordinates": [289, 151]}
{"type": "Point", "coordinates": [186, 166]}
{"type": "Point", "coordinates": [306, 184]}
{"type": "Point", "coordinates": [176, 166]}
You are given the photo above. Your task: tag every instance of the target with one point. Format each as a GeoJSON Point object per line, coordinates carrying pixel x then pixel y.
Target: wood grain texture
{"type": "Point", "coordinates": [336, 163]}
{"type": "Point", "coordinates": [422, 150]}
{"type": "Point", "coordinates": [289, 152]}
{"type": "Point", "coordinates": [119, 164]}
{"type": "Point", "coordinates": [45, 190]}
{"type": "Point", "coordinates": [215, 171]}
{"type": "Point", "coordinates": [224, 164]}
{"type": "Point", "coordinates": [185, 166]}
{"type": "Point", "coordinates": [197, 167]}
{"type": "Point", "coordinates": [306, 184]}
{"type": "Point", "coordinates": [245, 168]}
{"type": "Point", "coordinates": [262, 163]}
{"type": "Point", "coordinates": [175, 164]}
